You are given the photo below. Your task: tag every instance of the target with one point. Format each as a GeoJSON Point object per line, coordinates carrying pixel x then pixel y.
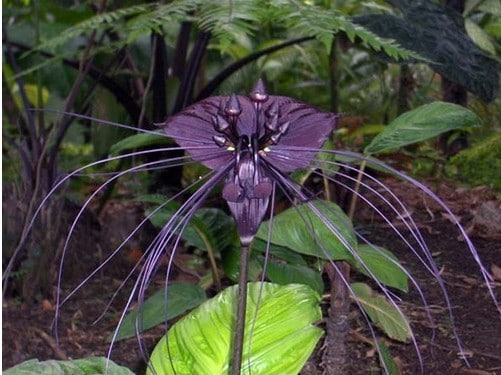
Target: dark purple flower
{"type": "Point", "coordinates": [250, 137]}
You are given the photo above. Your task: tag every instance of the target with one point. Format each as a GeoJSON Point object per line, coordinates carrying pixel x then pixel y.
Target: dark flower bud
{"type": "Point", "coordinates": [284, 127]}
{"type": "Point", "coordinates": [272, 110]}
{"type": "Point", "coordinates": [275, 138]}
{"type": "Point", "coordinates": [220, 124]}
{"type": "Point", "coordinates": [220, 140]}
{"type": "Point", "coordinates": [271, 124]}
{"type": "Point", "coordinates": [258, 93]}
{"type": "Point", "coordinates": [233, 107]}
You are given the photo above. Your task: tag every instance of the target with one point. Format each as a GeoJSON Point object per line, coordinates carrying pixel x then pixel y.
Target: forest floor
{"type": "Point", "coordinates": [27, 329]}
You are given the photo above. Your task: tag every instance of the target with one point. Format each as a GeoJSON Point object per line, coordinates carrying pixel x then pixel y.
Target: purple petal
{"type": "Point", "coordinates": [193, 130]}
{"type": "Point", "coordinates": [248, 215]}
{"type": "Point", "coordinates": [308, 127]}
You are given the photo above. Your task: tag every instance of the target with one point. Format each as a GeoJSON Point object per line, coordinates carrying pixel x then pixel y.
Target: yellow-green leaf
{"type": "Point", "coordinates": [279, 338]}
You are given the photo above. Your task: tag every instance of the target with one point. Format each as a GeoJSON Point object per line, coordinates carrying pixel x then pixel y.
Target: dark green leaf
{"type": "Point", "coordinates": [158, 309]}
{"type": "Point", "coordinates": [302, 230]}
{"type": "Point", "coordinates": [156, 199]}
{"type": "Point", "coordinates": [383, 265]}
{"type": "Point", "coordinates": [279, 334]}
{"type": "Point", "coordinates": [138, 141]}
{"type": "Point", "coordinates": [424, 122]}
{"type": "Point", "coordinates": [283, 274]}
{"type": "Point", "coordinates": [214, 227]}
{"type": "Point", "coordinates": [85, 366]}
{"type": "Point", "coordinates": [164, 214]}
{"type": "Point", "coordinates": [230, 260]}
{"type": "Point", "coordinates": [382, 313]}
{"type": "Point", "coordinates": [105, 137]}
{"type": "Point", "coordinates": [208, 228]}
{"type": "Point", "coordinates": [281, 252]}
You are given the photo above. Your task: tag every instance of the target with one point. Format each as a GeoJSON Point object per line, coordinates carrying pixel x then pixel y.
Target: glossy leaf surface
{"type": "Point", "coordinates": [301, 230]}
{"type": "Point", "coordinates": [424, 122]}
{"type": "Point", "coordinates": [279, 333]}
{"type": "Point", "coordinates": [383, 265]}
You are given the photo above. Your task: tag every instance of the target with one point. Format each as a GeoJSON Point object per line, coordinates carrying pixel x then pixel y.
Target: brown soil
{"type": "Point", "coordinates": [27, 329]}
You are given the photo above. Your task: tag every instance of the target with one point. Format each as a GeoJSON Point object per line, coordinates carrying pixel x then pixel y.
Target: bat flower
{"type": "Point", "coordinates": [249, 138]}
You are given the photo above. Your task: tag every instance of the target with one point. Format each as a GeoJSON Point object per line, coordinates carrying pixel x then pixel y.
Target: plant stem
{"type": "Point", "coordinates": [238, 338]}
{"type": "Point", "coordinates": [354, 197]}
{"type": "Point", "coordinates": [335, 354]}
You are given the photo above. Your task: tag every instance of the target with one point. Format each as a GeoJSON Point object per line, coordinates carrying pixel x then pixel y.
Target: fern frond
{"type": "Point", "coordinates": [93, 23]}
{"type": "Point", "coordinates": [324, 23]}
{"type": "Point", "coordinates": [161, 15]}
{"type": "Point", "coordinates": [227, 19]}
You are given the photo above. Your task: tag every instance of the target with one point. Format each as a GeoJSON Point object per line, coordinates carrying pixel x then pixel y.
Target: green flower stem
{"type": "Point", "coordinates": [212, 260]}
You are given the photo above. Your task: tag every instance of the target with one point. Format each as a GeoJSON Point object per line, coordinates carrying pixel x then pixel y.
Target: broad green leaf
{"type": "Point", "coordinates": [164, 214]}
{"type": "Point", "coordinates": [383, 265]}
{"type": "Point", "coordinates": [30, 90]}
{"type": "Point", "coordinates": [479, 36]}
{"type": "Point", "coordinates": [279, 333]}
{"type": "Point", "coordinates": [302, 230]}
{"type": "Point", "coordinates": [213, 227]}
{"type": "Point", "coordinates": [155, 199]}
{"type": "Point", "coordinates": [284, 273]}
{"type": "Point", "coordinates": [158, 309]}
{"type": "Point", "coordinates": [424, 122]}
{"type": "Point", "coordinates": [31, 93]}
{"type": "Point", "coordinates": [139, 140]}
{"type": "Point", "coordinates": [209, 229]}
{"type": "Point", "coordinates": [230, 261]}
{"type": "Point", "coordinates": [369, 129]}
{"type": "Point", "coordinates": [383, 314]}
{"type": "Point", "coordinates": [85, 366]}
{"type": "Point", "coordinates": [105, 106]}
{"type": "Point", "coordinates": [284, 253]}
